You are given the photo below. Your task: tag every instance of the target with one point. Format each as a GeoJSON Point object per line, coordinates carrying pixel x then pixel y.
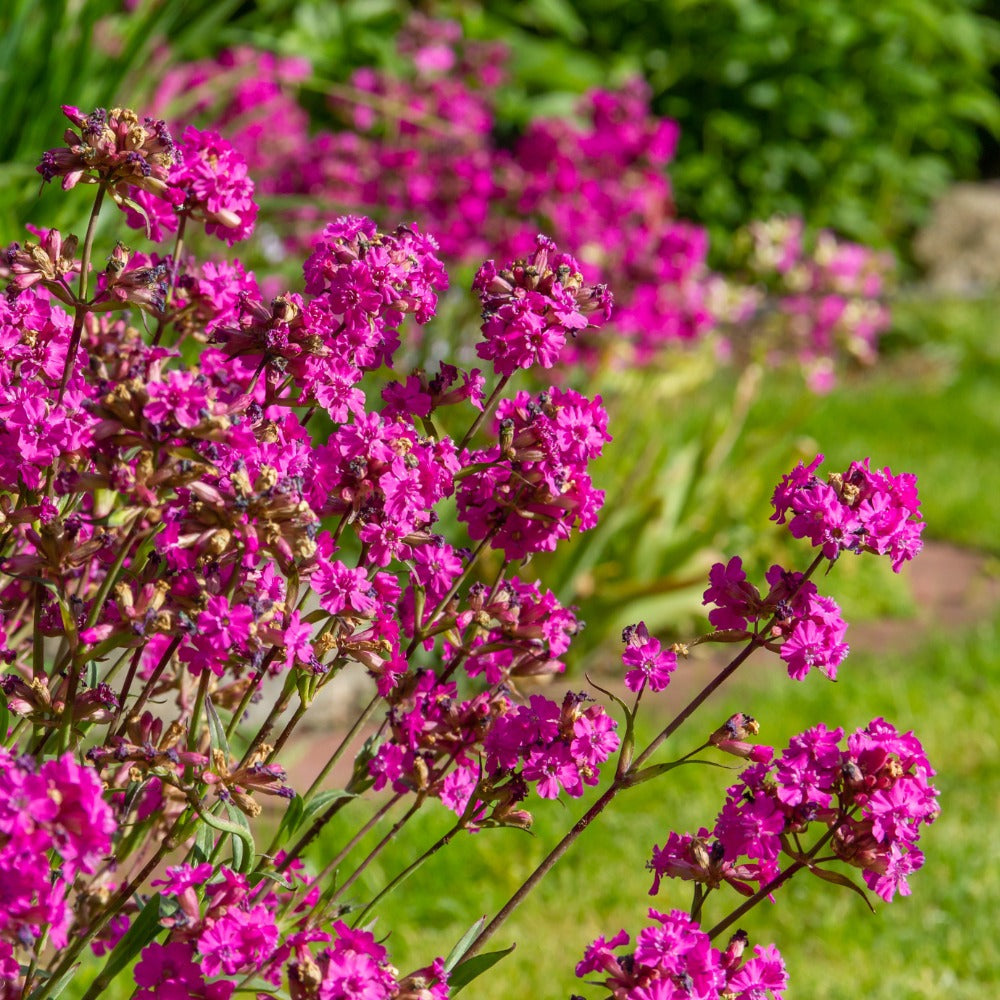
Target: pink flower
{"type": "Point", "coordinates": [651, 664]}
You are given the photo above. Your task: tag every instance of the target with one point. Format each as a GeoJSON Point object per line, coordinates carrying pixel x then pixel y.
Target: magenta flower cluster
{"type": "Point", "coordinates": [860, 510]}
{"type": "Point", "coordinates": [246, 497]}
{"type": "Point", "coordinates": [536, 489]}
{"type": "Point", "coordinates": [868, 800]}
{"type": "Point", "coordinates": [803, 626]}
{"type": "Point", "coordinates": [234, 932]}
{"type": "Point", "coordinates": [209, 182]}
{"type": "Point", "coordinates": [673, 959]}
{"type": "Point", "coordinates": [54, 826]}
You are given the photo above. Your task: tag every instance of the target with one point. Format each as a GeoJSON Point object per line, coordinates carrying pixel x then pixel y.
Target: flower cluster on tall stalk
{"type": "Point", "coordinates": [173, 536]}
{"type": "Point", "coordinates": [420, 141]}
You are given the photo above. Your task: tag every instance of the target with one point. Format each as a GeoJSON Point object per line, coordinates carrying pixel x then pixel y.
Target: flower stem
{"type": "Point", "coordinates": [765, 890]}
{"type": "Point", "coordinates": [174, 267]}
{"type": "Point", "coordinates": [81, 306]}
{"type": "Point", "coordinates": [478, 422]}
{"type": "Point", "coordinates": [409, 869]}
{"type": "Point", "coordinates": [344, 744]}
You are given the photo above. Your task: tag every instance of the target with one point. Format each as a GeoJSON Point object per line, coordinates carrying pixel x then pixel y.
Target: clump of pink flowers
{"type": "Point", "coordinates": [673, 959]}
{"type": "Point", "coordinates": [866, 801]}
{"type": "Point", "coordinates": [240, 499]}
{"type": "Point", "coordinates": [419, 142]}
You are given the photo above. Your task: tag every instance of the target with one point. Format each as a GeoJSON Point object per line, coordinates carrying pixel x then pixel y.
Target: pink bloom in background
{"type": "Point", "coordinates": [595, 182]}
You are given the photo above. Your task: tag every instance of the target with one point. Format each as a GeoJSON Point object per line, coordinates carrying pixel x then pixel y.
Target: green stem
{"type": "Point", "coordinates": [174, 267]}
{"type": "Point", "coordinates": [151, 683]}
{"type": "Point", "coordinates": [620, 782]}
{"type": "Point", "coordinates": [252, 688]}
{"type": "Point", "coordinates": [81, 308]}
{"type": "Point", "coordinates": [310, 835]}
{"type": "Point", "coordinates": [112, 574]}
{"type": "Point", "coordinates": [344, 744]}
{"type": "Point", "coordinates": [409, 869]}
{"type": "Point", "coordinates": [765, 890]}
{"type": "Point", "coordinates": [543, 869]}
{"type": "Point", "coordinates": [478, 422]}
{"type": "Point", "coordinates": [332, 865]}
{"type": "Point", "coordinates": [421, 632]}
{"type": "Point", "coordinates": [377, 850]}
{"type": "Point", "coordinates": [199, 703]}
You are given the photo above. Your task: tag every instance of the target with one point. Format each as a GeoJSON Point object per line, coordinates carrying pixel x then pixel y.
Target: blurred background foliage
{"type": "Point", "coordinates": [852, 114]}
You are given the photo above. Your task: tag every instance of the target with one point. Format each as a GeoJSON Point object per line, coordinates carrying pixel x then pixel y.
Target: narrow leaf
{"type": "Point", "coordinates": [474, 968]}
{"type": "Point", "coordinates": [61, 983]}
{"type": "Point", "coordinates": [322, 800]}
{"type": "Point", "coordinates": [838, 879]}
{"type": "Point", "coordinates": [244, 849]}
{"type": "Point", "coordinates": [204, 843]}
{"type": "Point", "coordinates": [216, 730]}
{"type": "Point", "coordinates": [456, 953]}
{"type": "Point", "coordinates": [144, 928]}
{"type": "Point", "coordinates": [292, 819]}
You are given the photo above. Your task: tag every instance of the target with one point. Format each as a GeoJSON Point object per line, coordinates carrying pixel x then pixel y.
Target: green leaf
{"type": "Point", "coordinates": [144, 928]}
{"type": "Point", "coordinates": [4, 720]}
{"type": "Point", "coordinates": [474, 968]}
{"type": "Point", "coordinates": [61, 983]}
{"type": "Point", "coordinates": [216, 730]}
{"type": "Point", "coordinates": [322, 800]}
{"type": "Point", "coordinates": [244, 849]}
{"type": "Point", "coordinates": [259, 985]}
{"type": "Point", "coordinates": [132, 792]}
{"type": "Point", "coordinates": [204, 844]}
{"type": "Point", "coordinates": [292, 819]}
{"type": "Point", "coordinates": [839, 879]}
{"type": "Point", "coordinates": [257, 877]}
{"type": "Point", "coordinates": [456, 953]}
{"type": "Point", "coordinates": [235, 829]}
